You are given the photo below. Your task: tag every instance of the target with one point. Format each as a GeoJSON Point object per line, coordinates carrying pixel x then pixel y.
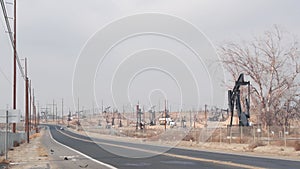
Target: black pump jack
{"type": "Point", "coordinates": [234, 99]}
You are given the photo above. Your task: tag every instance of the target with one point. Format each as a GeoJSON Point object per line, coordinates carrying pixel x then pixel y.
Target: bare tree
{"type": "Point", "coordinates": [272, 62]}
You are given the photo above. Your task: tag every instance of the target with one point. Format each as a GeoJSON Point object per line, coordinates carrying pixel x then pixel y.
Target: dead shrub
{"type": "Point", "coordinates": [253, 145]}
{"type": "Point", "coordinates": [16, 144]}
{"type": "Point", "coordinates": [35, 135]}
{"type": "Point", "coordinates": [3, 161]}
{"type": "Point", "coordinates": [296, 145]}
{"type": "Point", "coordinates": [278, 143]}
{"type": "Point", "coordinates": [189, 137]}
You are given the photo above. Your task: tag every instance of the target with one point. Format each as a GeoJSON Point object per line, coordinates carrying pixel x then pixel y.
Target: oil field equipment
{"type": "Point", "coordinates": [234, 99]}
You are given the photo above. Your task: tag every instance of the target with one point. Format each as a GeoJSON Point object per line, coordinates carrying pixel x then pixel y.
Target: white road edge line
{"type": "Point", "coordinates": [92, 159]}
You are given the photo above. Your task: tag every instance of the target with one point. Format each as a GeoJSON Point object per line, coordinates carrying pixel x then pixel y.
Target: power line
{"type": "Point", "coordinates": [2, 72]}
{"type": "Point", "coordinates": [11, 37]}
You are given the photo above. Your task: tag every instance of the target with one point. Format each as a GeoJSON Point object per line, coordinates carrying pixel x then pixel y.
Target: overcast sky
{"type": "Point", "coordinates": [51, 34]}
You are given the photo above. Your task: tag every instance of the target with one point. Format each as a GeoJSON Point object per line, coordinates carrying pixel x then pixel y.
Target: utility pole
{"type": "Point", "coordinates": [78, 110]}
{"type": "Point", "coordinates": [93, 108]}
{"type": "Point", "coordinates": [165, 115]}
{"type": "Point", "coordinates": [144, 114]}
{"type": "Point", "coordinates": [15, 63]}
{"type": "Point", "coordinates": [26, 103]}
{"type": "Point", "coordinates": [53, 111]}
{"type": "Point", "coordinates": [205, 115]}
{"type": "Point", "coordinates": [38, 113]}
{"type": "Point", "coordinates": [69, 117]}
{"type": "Point", "coordinates": [83, 111]}
{"type": "Point", "coordinates": [159, 107]}
{"type": "Point", "coordinates": [34, 112]}
{"type": "Point", "coordinates": [102, 107]}
{"type": "Point", "coordinates": [137, 117]}
{"type": "Point", "coordinates": [62, 110]}
{"type": "Point", "coordinates": [194, 118]}
{"type": "Point", "coordinates": [191, 119]}
{"type": "Point", "coordinates": [30, 105]}
{"type": "Point", "coordinates": [56, 114]}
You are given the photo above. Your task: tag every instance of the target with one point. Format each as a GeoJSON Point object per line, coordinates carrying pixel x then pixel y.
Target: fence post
{"type": "Point", "coordinates": [230, 135]}
{"type": "Point", "coordinates": [6, 136]}
{"type": "Point", "coordinates": [197, 136]}
{"type": "Point", "coordinates": [220, 135]}
{"type": "Point", "coordinates": [241, 134]}
{"type": "Point", "coordinates": [253, 134]}
{"type": "Point", "coordinates": [268, 135]}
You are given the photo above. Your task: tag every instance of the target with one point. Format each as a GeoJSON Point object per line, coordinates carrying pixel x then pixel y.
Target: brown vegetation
{"type": "Point", "coordinates": [272, 63]}
{"type": "Point", "coordinates": [255, 144]}
{"type": "Point", "coordinates": [35, 135]}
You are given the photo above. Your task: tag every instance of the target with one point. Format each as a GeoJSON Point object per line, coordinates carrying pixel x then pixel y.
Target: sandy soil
{"type": "Point", "coordinates": [29, 155]}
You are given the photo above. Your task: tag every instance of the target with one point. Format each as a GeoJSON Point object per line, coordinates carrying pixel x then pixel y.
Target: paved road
{"type": "Point", "coordinates": [62, 157]}
{"type": "Point", "coordinates": [174, 158]}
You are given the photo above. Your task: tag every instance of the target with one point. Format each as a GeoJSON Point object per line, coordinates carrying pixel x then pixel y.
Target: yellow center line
{"type": "Point", "coordinates": [228, 163]}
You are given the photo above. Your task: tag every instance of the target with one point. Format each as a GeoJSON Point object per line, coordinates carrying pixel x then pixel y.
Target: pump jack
{"type": "Point", "coordinates": [234, 98]}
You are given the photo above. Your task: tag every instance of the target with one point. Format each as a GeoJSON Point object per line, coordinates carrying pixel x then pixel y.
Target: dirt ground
{"type": "Point", "coordinates": [28, 155]}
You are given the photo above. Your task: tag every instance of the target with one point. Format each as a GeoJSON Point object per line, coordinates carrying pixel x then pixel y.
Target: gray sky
{"type": "Point", "coordinates": [52, 33]}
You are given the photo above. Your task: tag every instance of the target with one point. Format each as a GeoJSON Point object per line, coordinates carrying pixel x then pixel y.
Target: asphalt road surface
{"type": "Point", "coordinates": [171, 159]}
{"type": "Point", "coordinates": [63, 157]}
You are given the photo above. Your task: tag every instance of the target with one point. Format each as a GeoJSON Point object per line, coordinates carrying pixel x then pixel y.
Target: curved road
{"type": "Point", "coordinates": [172, 159]}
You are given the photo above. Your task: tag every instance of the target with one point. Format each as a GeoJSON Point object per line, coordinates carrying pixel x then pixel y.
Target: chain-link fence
{"type": "Point", "coordinates": [270, 135]}
{"type": "Point", "coordinates": [13, 139]}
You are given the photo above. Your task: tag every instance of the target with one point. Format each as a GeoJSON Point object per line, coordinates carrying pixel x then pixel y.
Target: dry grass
{"type": "Point", "coordinates": [253, 145]}
{"type": "Point", "coordinates": [35, 135]}
{"type": "Point", "coordinates": [297, 146]}
{"type": "Point", "coordinates": [41, 152]}
{"type": "Point", "coordinates": [3, 161]}
{"type": "Point", "coordinates": [294, 144]}
{"type": "Point", "coordinates": [290, 143]}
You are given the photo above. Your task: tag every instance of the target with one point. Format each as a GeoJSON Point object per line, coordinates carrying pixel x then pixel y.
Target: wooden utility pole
{"type": "Point", "coordinates": [194, 119]}
{"type": "Point", "coordinates": [191, 119]}
{"type": "Point", "coordinates": [56, 114]}
{"type": "Point", "coordinates": [78, 111]}
{"type": "Point", "coordinates": [93, 108]}
{"type": "Point", "coordinates": [165, 115]}
{"type": "Point", "coordinates": [34, 112]}
{"type": "Point", "coordinates": [38, 113]}
{"type": "Point", "coordinates": [62, 111]}
{"type": "Point", "coordinates": [15, 63]}
{"type": "Point", "coordinates": [26, 103]}
{"type": "Point", "coordinates": [205, 116]}
{"type": "Point", "coordinates": [30, 105]}
{"type": "Point", "coordinates": [102, 107]}
{"type": "Point", "coordinates": [137, 116]}
{"type": "Point", "coordinates": [53, 111]}
{"type": "Point", "coordinates": [69, 117]}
